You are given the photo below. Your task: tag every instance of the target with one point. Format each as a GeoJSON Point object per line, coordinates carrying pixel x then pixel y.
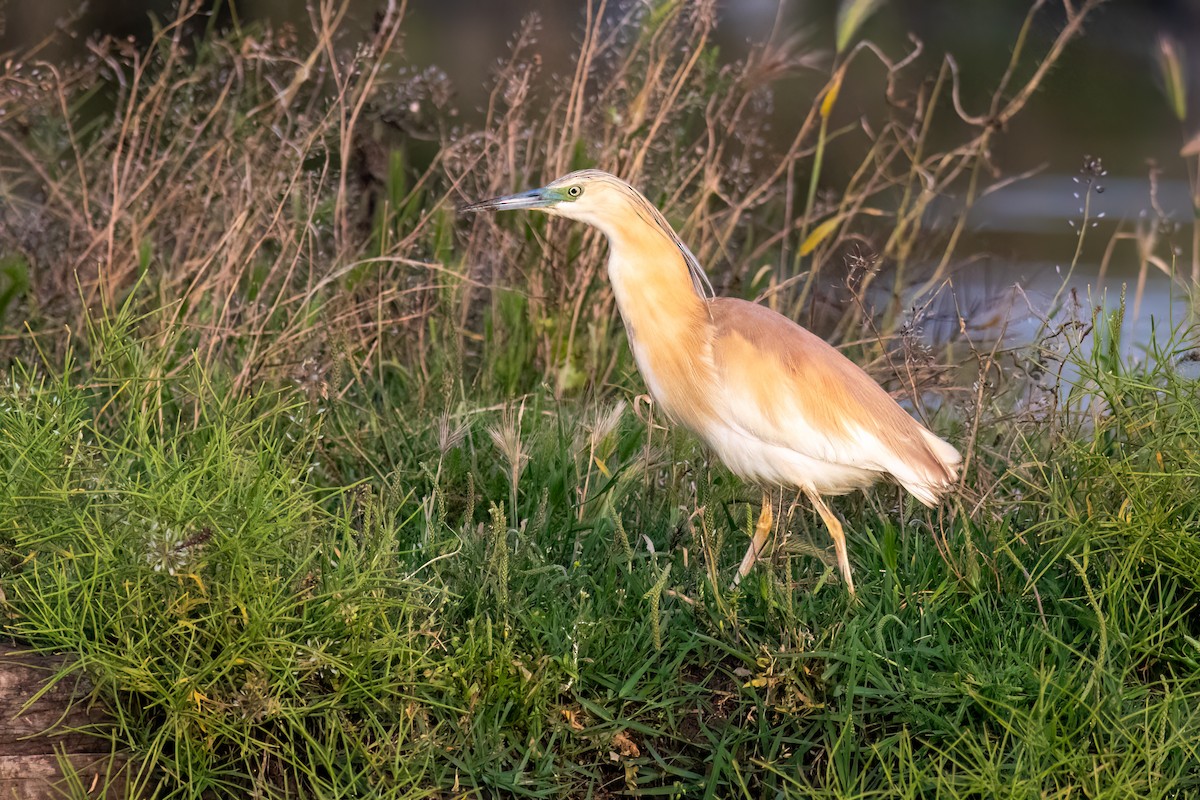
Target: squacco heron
{"type": "Point", "coordinates": [778, 405]}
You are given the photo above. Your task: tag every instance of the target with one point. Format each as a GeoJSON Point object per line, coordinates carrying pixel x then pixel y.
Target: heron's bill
{"type": "Point", "coordinates": [534, 198]}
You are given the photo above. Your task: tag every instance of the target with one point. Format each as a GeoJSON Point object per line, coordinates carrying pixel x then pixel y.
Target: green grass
{"type": "Point", "coordinates": [255, 628]}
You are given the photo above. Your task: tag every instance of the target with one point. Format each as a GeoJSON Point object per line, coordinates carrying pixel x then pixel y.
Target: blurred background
{"type": "Point", "coordinates": [1106, 100]}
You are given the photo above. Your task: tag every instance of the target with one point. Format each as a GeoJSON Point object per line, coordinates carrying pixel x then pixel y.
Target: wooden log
{"type": "Point", "coordinates": [52, 740]}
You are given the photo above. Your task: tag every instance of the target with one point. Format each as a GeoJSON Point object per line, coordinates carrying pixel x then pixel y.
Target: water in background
{"type": "Point", "coordinates": [1103, 100]}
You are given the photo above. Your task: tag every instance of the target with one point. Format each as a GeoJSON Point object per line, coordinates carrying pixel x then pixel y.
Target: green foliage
{"type": "Point", "coordinates": [256, 630]}
{"type": "Point", "coordinates": [14, 270]}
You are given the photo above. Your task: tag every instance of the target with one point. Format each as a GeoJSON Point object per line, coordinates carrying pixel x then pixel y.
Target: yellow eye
{"type": "Point", "coordinates": [575, 191]}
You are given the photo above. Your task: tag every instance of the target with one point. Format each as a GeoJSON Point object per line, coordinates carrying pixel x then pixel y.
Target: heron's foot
{"type": "Point", "coordinates": [761, 531]}
{"type": "Point", "coordinates": [839, 538]}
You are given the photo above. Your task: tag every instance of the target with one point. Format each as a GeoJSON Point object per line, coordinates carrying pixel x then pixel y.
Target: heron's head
{"type": "Point", "coordinates": [588, 195]}
{"type": "Point", "coordinates": [608, 203]}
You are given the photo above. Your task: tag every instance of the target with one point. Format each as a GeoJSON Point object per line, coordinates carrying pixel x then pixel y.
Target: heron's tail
{"type": "Point", "coordinates": [940, 473]}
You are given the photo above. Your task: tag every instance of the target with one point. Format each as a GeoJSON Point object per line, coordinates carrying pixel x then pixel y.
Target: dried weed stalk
{"type": "Point", "coordinates": [259, 202]}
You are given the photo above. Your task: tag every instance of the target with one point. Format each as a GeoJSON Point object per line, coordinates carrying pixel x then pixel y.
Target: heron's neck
{"type": "Point", "coordinates": [667, 323]}
{"type": "Point", "coordinates": [650, 278]}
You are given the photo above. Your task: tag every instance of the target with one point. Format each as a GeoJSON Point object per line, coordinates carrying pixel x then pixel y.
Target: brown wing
{"type": "Point", "coordinates": [788, 387]}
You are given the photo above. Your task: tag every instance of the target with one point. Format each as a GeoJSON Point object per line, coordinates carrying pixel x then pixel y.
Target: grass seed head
{"type": "Point", "coordinates": [604, 422]}
{"type": "Point", "coordinates": [506, 437]}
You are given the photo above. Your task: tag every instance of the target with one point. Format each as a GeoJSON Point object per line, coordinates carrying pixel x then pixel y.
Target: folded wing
{"type": "Point", "coordinates": [789, 388]}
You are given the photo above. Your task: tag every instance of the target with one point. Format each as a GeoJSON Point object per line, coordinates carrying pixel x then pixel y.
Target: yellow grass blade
{"type": "Point", "coordinates": [851, 15]}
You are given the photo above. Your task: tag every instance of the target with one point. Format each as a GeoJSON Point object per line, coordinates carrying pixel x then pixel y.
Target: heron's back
{"type": "Point", "coordinates": [795, 410]}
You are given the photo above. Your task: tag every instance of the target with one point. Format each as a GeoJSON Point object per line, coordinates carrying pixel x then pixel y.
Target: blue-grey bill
{"type": "Point", "coordinates": [534, 198]}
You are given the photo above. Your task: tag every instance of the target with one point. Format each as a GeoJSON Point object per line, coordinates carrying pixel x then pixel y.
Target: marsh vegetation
{"type": "Point", "coordinates": [333, 493]}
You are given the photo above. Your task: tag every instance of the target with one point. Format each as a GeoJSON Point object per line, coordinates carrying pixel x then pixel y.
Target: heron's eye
{"type": "Point", "coordinates": [575, 191]}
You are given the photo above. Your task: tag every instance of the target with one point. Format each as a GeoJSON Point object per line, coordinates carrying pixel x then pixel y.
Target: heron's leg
{"type": "Point", "coordinates": [765, 520]}
{"type": "Point", "coordinates": [839, 537]}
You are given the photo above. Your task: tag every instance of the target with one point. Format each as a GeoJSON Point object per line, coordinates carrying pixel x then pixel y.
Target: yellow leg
{"type": "Point", "coordinates": [839, 537]}
{"type": "Point", "coordinates": [765, 520]}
